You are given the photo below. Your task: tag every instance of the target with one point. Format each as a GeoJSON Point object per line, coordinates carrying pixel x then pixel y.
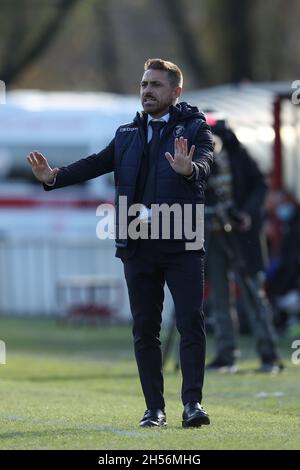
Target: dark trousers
{"type": "Point", "coordinates": [146, 273]}
{"type": "Point", "coordinates": [256, 306]}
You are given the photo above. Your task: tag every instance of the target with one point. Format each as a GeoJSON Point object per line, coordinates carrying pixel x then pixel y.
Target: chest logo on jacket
{"type": "Point", "coordinates": [128, 129]}
{"type": "Point", "coordinates": [179, 130]}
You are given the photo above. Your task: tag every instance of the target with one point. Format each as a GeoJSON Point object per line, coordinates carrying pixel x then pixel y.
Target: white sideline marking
{"type": "Point", "coordinates": [113, 430]}
{"type": "Point", "coordinates": [108, 429]}
{"type": "Point", "coordinates": [273, 394]}
{"type": "Point", "coordinates": [2, 352]}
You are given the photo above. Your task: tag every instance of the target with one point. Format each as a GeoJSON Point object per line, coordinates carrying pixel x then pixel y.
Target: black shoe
{"type": "Point", "coordinates": [153, 418]}
{"type": "Point", "coordinates": [220, 365]}
{"type": "Point", "coordinates": [194, 415]}
{"type": "Point", "coordinates": [271, 367]}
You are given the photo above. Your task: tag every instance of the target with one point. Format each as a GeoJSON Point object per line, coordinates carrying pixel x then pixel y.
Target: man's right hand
{"type": "Point", "coordinates": [41, 169]}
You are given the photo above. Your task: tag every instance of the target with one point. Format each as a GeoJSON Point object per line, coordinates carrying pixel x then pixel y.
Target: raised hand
{"type": "Point", "coordinates": [41, 169]}
{"type": "Point", "coordinates": [182, 161]}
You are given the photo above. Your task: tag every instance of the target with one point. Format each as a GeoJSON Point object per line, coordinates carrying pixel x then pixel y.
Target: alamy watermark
{"type": "Point", "coordinates": [162, 221]}
{"type": "Point", "coordinates": [2, 92]}
{"type": "Point", "coordinates": [2, 352]}
{"type": "Point", "coordinates": [296, 93]}
{"type": "Point", "coordinates": [295, 358]}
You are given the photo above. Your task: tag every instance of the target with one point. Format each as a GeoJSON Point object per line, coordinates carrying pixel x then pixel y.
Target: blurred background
{"type": "Point", "coordinates": [71, 70]}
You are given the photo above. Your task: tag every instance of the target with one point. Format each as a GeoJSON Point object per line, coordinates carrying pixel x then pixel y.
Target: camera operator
{"type": "Point", "coordinates": [234, 202]}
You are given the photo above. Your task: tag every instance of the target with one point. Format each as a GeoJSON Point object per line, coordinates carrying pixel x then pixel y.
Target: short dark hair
{"type": "Point", "coordinates": [174, 73]}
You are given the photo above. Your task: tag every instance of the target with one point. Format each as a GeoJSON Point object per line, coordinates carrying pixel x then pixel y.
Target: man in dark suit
{"type": "Point", "coordinates": [162, 158]}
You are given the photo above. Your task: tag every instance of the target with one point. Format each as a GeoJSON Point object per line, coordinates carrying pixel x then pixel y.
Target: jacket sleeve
{"type": "Point", "coordinates": [85, 169]}
{"type": "Point", "coordinates": [203, 156]}
{"type": "Point", "coordinates": [255, 200]}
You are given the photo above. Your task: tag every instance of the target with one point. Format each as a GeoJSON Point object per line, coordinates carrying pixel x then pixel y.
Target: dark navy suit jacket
{"type": "Point", "coordinates": [124, 154]}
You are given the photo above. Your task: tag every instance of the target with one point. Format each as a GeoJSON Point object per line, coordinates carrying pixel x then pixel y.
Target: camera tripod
{"type": "Point", "coordinates": [255, 295]}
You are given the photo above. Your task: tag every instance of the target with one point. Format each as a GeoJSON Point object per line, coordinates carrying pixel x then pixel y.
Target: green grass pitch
{"type": "Point", "coordinates": [68, 386]}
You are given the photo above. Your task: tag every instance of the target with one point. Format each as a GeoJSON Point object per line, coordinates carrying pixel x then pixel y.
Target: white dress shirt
{"type": "Point", "coordinates": [165, 118]}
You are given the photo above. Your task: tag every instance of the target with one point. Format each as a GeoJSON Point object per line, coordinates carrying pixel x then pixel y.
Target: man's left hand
{"type": "Point", "coordinates": [182, 161]}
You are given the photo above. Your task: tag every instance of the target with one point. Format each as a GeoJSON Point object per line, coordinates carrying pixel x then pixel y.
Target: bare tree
{"type": "Point", "coordinates": [231, 27]}
{"type": "Point", "coordinates": [176, 14]}
{"type": "Point", "coordinates": [19, 54]}
{"type": "Point", "coordinates": [237, 21]}
{"type": "Point", "coordinates": [108, 49]}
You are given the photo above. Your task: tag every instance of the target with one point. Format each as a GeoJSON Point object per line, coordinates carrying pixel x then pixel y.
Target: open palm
{"type": "Point", "coordinates": [40, 167]}
{"type": "Point", "coordinates": [182, 161]}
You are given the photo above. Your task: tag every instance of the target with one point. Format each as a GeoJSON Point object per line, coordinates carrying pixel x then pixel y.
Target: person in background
{"type": "Point", "coordinates": [283, 272]}
{"type": "Point", "coordinates": [233, 219]}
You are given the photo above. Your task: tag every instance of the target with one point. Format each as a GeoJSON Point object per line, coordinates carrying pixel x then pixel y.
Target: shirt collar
{"type": "Point", "coordinates": [165, 118]}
